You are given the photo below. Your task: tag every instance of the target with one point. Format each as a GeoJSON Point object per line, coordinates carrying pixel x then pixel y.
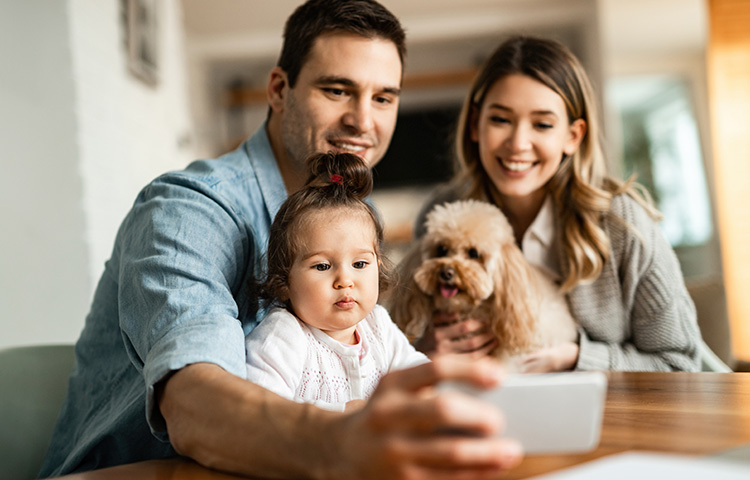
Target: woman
{"type": "Point", "coordinates": [528, 141]}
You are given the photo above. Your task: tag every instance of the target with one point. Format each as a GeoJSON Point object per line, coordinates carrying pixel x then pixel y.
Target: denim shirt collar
{"type": "Point", "coordinates": [263, 161]}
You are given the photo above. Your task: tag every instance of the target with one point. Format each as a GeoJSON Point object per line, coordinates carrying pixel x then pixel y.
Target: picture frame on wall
{"type": "Point", "coordinates": [142, 39]}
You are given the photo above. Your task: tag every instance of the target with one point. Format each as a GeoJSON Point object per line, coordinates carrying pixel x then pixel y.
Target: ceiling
{"type": "Point", "coordinates": [422, 18]}
{"type": "Point", "coordinates": [626, 26]}
{"type": "Point", "coordinates": [241, 38]}
{"type": "Point", "coordinates": [237, 41]}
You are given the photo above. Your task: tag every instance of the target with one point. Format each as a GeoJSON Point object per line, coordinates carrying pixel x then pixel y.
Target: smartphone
{"type": "Point", "coordinates": [549, 413]}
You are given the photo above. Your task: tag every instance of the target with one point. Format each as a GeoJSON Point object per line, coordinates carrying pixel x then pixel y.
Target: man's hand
{"type": "Point", "coordinates": [559, 358]}
{"type": "Point", "coordinates": [230, 424]}
{"type": "Point", "coordinates": [403, 431]}
{"type": "Point", "coordinates": [450, 335]}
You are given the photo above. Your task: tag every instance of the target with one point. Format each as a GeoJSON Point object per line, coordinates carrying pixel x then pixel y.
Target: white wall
{"type": "Point", "coordinates": [44, 281]}
{"type": "Point", "coordinates": [79, 137]}
{"type": "Point", "coordinates": [129, 132]}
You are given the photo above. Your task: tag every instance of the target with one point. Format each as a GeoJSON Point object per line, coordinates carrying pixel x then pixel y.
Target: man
{"type": "Point", "coordinates": [161, 360]}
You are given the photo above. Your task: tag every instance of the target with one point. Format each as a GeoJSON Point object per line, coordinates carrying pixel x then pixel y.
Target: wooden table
{"type": "Point", "coordinates": [689, 413]}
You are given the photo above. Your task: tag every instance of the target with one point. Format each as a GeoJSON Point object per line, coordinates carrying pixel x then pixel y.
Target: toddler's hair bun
{"type": "Point", "coordinates": [341, 172]}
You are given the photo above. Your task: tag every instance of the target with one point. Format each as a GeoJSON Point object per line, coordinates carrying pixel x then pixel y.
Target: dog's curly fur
{"type": "Point", "coordinates": [468, 262]}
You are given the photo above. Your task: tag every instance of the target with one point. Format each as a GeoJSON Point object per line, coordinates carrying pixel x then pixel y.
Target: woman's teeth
{"type": "Point", "coordinates": [517, 166]}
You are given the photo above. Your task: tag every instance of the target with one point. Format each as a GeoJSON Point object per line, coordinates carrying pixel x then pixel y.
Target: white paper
{"type": "Point", "coordinates": [652, 466]}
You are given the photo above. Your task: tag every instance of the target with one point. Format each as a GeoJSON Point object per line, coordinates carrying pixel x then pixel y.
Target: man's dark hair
{"type": "Point", "coordinates": [314, 18]}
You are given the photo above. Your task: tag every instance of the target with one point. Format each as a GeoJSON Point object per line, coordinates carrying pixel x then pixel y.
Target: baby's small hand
{"type": "Point", "coordinates": [353, 405]}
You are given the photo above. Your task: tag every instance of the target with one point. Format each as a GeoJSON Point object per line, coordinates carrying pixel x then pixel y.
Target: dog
{"type": "Point", "coordinates": [468, 263]}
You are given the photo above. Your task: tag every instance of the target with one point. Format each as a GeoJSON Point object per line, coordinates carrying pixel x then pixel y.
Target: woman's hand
{"type": "Point", "coordinates": [450, 335]}
{"type": "Point", "coordinates": [559, 358]}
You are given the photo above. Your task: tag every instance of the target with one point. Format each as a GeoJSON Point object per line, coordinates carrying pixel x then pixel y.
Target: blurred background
{"type": "Point", "coordinates": [97, 97]}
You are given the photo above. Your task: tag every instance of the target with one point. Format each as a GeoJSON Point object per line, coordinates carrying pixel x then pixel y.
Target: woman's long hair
{"type": "Point", "coordinates": [581, 189]}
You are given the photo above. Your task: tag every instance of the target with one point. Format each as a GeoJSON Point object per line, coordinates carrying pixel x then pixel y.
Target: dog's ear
{"type": "Point", "coordinates": [515, 301]}
{"type": "Point", "coordinates": [409, 307]}
{"type": "Point", "coordinates": [412, 311]}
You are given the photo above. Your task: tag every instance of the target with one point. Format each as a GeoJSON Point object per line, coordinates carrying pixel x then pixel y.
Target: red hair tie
{"type": "Point", "coordinates": [337, 179]}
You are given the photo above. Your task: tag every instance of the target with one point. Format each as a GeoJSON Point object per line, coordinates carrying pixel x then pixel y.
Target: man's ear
{"type": "Point", "coordinates": [278, 84]}
{"type": "Point", "coordinates": [577, 132]}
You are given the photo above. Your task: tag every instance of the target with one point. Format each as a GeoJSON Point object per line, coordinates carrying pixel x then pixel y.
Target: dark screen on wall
{"type": "Point", "coordinates": [421, 152]}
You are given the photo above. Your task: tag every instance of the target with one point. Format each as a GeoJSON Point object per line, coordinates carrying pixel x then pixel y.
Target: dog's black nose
{"type": "Point", "coordinates": [447, 274]}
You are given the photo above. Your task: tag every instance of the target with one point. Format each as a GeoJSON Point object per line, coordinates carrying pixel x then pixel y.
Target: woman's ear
{"type": "Point", "coordinates": [577, 132]}
{"type": "Point", "coordinates": [278, 84]}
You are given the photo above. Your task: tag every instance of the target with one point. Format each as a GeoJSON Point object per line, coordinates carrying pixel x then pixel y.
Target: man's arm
{"type": "Point", "coordinates": [230, 424]}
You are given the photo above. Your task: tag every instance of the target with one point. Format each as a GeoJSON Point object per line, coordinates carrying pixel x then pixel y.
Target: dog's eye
{"type": "Point", "coordinates": [473, 253]}
{"type": "Point", "coordinates": [441, 251]}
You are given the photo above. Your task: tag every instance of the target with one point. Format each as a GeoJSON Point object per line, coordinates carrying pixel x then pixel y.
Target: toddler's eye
{"type": "Point", "coordinates": [473, 253]}
{"type": "Point", "coordinates": [441, 251]}
{"type": "Point", "coordinates": [359, 265]}
{"type": "Point", "coordinates": [322, 267]}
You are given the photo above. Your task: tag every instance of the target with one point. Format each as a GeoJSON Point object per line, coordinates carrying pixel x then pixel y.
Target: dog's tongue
{"type": "Point", "coordinates": [448, 291]}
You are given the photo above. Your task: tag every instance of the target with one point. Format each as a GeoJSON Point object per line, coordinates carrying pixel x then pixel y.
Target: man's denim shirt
{"type": "Point", "coordinates": [173, 293]}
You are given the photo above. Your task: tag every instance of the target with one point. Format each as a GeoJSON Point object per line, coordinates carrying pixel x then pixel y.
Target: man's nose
{"type": "Point", "coordinates": [359, 116]}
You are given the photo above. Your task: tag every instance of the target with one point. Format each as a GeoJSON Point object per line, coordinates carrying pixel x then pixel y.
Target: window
{"type": "Point", "coordinates": [661, 145]}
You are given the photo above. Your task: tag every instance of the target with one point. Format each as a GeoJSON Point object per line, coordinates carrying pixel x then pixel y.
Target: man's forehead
{"type": "Point", "coordinates": [347, 58]}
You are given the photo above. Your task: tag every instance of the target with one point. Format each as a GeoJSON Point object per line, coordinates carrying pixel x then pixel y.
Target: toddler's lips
{"type": "Point", "coordinates": [448, 291]}
{"type": "Point", "coordinates": [346, 304]}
